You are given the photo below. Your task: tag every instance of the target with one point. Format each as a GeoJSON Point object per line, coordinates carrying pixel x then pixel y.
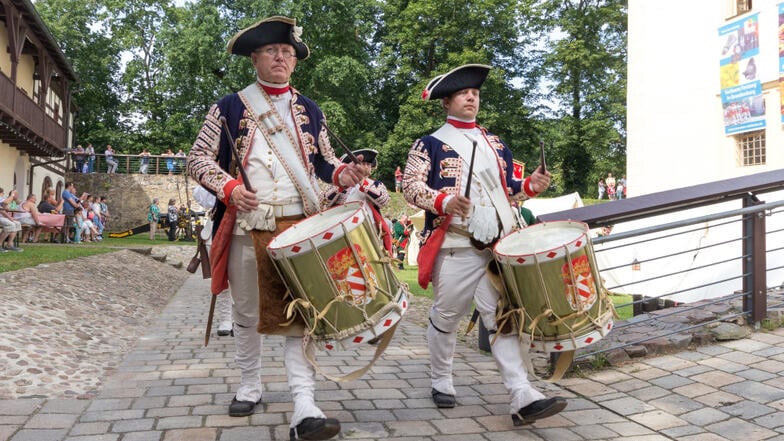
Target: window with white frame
{"type": "Point", "coordinates": [751, 148]}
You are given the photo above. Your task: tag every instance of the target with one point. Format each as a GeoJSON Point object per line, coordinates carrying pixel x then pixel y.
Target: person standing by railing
{"type": "Point", "coordinates": [111, 163]}
{"type": "Point", "coordinates": [90, 151]}
{"type": "Point", "coordinates": [79, 158]}
{"type": "Point", "coordinates": [145, 161]}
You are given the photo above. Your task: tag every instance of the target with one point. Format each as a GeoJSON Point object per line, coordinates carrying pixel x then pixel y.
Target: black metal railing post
{"type": "Point", "coordinates": [754, 264]}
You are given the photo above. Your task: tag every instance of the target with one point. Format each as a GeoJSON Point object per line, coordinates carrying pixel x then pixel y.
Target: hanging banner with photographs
{"type": "Point", "coordinates": [741, 88]}
{"type": "Point", "coordinates": [781, 59]}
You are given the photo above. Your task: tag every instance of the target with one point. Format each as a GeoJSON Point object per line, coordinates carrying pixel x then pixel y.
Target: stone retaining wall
{"type": "Point", "coordinates": [130, 195]}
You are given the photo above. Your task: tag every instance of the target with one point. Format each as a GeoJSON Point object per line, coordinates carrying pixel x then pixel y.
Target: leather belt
{"type": "Point", "coordinates": [287, 210]}
{"type": "Point", "coordinates": [458, 230]}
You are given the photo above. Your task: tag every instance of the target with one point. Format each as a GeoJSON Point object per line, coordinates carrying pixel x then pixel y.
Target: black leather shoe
{"type": "Point", "coordinates": [442, 400]}
{"type": "Point", "coordinates": [538, 410]}
{"type": "Point", "coordinates": [315, 429]}
{"type": "Point", "coordinates": [225, 332]}
{"type": "Point", "coordinates": [242, 408]}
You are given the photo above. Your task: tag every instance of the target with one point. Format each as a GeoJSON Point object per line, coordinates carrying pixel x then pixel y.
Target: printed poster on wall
{"type": "Point", "coordinates": [781, 59]}
{"type": "Point", "coordinates": [741, 88]}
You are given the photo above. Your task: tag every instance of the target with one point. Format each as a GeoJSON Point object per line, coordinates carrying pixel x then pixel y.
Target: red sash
{"type": "Point", "coordinates": [429, 251]}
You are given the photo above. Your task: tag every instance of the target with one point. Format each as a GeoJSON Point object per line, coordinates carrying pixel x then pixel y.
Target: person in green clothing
{"type": "Point", "coordinates": [153, 216]}
{"type": "Point", "coordinates": [527, 215]}
{"type": "Point", "coordinates": [401, 231]}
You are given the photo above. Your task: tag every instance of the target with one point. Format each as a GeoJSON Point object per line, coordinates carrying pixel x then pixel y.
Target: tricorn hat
{"type": "Point", "coordinates": [467, 76]}
{"type": "Point", "coordinates": [368, 156]}
{"type": "Point", "coordinates": [269, 31]}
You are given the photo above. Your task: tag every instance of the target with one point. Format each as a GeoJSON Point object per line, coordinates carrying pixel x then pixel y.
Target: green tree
{"type": "Point", "coordinates": [425, 38]}
{"type": "Point", "coordinates": [586, 64]}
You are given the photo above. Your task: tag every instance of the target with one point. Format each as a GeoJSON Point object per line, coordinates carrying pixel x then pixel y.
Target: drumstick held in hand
{"type": "Point", "coordinates": [348, 151]}
{"type": "Point", "coordinates": [541, 157]}
{"type": "Point", "coordinates": [236, 154]}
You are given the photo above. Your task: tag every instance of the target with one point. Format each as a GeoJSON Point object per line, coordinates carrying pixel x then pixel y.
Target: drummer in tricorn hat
{"type": "Point", "coordinates": [275, 128]}
{"type": "Point", "coordinates": [458, 229]}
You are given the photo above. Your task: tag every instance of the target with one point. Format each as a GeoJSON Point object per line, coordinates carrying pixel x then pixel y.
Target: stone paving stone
{"type": "Point", "coordinates": [713, 350]}
{"type": "Point", "coordinates": [594, 431]}
{"type": "Point", "coordinates": [773, 421]}
{"type": "Point", "coordinates": [39, 435]}
{"type": "Point", "coordinates": [658, 420]}
{"type": "Point", "coordinates": [723, 365]}
{"type": "Point", "coordinates": [676, 404]}
{"type": "Point", "coordinates": [19, 407]}
{"type": "Point", "coordinates": [104, 437]}
{"type": "Point", "coordinates": [89, 428]}
{"type": "Point", "coordinates": [559, 434]}
{"type": "Point", "coordinates": [6, 430]}
{"type": "Point", "coordinates": [649, 393]}
{"type": "Point", "coordinates": [704, 437]}
{"type": "Point", "coordinates": [649, 374]}
{"type": "Point", "coordinates": [201, 434]}
{"type": "Point", "coordinates": [109, 404]}
{"type": "Point", "coordinates": [745, 345]}
{"type": "Point", "coordinates": [411, 428]}
{"type": "Point", "coordinates": [596, 416]}
{"type": "Point", "coordinates": [754, 391]}
{"type": "Point", "coordinates": [682, 431]}
{"type": "Point", "coordinates": [111, 415]}
{"type": "Point", "coordinates": [737, 429]}
{"type": "Point", "coordinates": [694, 390]}
{"type": "Point", "coordinates": [718, 399]}
{"type": "Point", "coordinates": [628, 429]}
{"type": "Point", "coordinates": [51, 421]}
{"type": "Point", "coordinates": [178, 422]}
{"type": "Point", "coordinates": [451, 426]}
{"type": "Point", "coordinates": [670, 363]}
{"type": "Point", "coordinates": [142, 436]}
{"type": "Point", "coordinates": [748, 410]}
{"type": "Point", "coordinates": [671, 381]}
{"type": "Point", "coordinates": [717, 378]}
{"type": "Point", "coordinates": [756, 375]}
{"type": "Point", "coordinates": [627, 406]}
{"type": "Point", "coordinates": [705, 416]}
{"type": "Point", "coordinates": [64, 406]}
{"type": "Point", "coordinates": [772, 366]}
{"type": "Point", "coordinates": [139, 425]}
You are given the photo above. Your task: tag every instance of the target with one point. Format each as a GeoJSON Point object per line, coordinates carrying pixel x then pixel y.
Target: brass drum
{"type": "Point", "coordinates": [552, 287]}
{"type": "Point", "coordinates": [342, 281]}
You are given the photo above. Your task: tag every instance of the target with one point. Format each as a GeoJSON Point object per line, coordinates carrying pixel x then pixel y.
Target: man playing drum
{"type": "Point", "coordinates": [283, 146]}
{"type": "Point", "coordinates": [460, 225]}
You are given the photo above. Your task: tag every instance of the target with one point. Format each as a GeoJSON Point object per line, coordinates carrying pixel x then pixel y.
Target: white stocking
{"type": "Point", "coordinates": [508, 354]}
{"type": "Point", "coordinates": [442, 352]}
{"type": "Point", "coordinates": [302, 381]}
{"type": "Point", "coordinates": [248, 360]}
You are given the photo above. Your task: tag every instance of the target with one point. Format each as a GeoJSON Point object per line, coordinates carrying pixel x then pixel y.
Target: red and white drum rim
{"type": "Point", "coordinates": [312, 233]}
{"type": "Point", "coordinates": [383, 325]}
{"type": "Point", "coordinates": [550, 253]}
{"type": "Point", "coordinates": [569, 344]}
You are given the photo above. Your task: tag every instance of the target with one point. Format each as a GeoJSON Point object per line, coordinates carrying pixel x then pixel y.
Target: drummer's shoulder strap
{"type": "Point", "coordinates": [280, 140]}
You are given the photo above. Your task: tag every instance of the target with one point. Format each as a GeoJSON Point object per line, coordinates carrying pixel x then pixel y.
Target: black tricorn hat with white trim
{"type": "Point", "coordinates": [271, 30]}
{"type": "Point", "coordinates": [368, 156]}
{"type": "Point", "coordinates": [467, 76]}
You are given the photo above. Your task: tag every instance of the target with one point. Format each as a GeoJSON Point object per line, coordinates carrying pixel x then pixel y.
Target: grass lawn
{"type": "Point", "coordinates": [38, 253]}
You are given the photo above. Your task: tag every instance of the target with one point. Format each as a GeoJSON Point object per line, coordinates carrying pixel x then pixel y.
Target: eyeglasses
{"type": "Point", "coordinates": [273, 52]}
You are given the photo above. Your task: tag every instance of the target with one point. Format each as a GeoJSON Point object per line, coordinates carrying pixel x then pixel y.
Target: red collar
{"type": "Point", "coordinates": [461, 124]}
{"type": "Point", "coordinates": [275, 90]}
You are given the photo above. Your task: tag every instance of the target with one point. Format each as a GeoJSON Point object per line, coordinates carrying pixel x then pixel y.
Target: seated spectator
{"type": "Point", "coordinates": [9, 225]}
{"type": "Point", "coordinates": [28, 217]}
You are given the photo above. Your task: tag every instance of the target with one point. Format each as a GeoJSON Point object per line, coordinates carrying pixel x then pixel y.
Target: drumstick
{"type": "Point", "coordinates": [470, 168]}
{"type": "Point", "coordinates": [348, 151]}
{"type": "Point", "coordinates": [541, 157]}
{"type": "Point", "coordinates": [236, 154]}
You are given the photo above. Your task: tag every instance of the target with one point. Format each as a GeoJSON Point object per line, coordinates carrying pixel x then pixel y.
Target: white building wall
{"type": "Point", "coordinates": [674, 115]}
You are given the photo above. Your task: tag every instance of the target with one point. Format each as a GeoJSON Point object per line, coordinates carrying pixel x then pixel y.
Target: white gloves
{"type": "Point", "coordinates": [376, 192]}
{"type": "Point", "coordinates": [483, 224]}
{"type": "Point", "coordinates": [262, 218]}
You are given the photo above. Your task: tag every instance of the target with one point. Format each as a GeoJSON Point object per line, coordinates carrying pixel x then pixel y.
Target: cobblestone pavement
{"type": "Point", "coordinates": [169, 387]}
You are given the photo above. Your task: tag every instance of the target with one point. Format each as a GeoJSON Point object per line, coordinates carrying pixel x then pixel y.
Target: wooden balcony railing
{"type": "Point", "coordinates": [29, 118]}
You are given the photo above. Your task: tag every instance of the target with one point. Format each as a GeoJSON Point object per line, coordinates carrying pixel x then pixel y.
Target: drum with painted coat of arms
{"type": "Point", "coordinates": [342, 280]}
{"type": "Point", "coordinates": [552, 290]}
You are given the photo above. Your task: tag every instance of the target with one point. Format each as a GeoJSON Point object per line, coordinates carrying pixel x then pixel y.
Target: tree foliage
{"type": "Point", "coordinates": [150, 69]}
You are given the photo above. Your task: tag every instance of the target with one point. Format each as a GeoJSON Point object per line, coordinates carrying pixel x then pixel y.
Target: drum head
{"type": "Point", "coordinates": [318, 230]}
{"type": "Point", "coordinates": [541, 238]}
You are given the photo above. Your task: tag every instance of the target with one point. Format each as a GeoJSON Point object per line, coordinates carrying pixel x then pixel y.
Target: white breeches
{"type": "Point", "coordinates": [245, 313]}
{"type": "Point", "coordinates": [460, 278]}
